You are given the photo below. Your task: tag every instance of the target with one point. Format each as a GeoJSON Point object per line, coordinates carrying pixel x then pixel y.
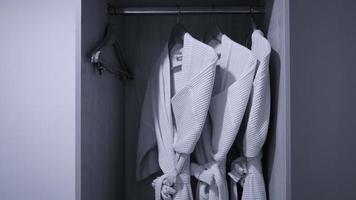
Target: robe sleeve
{"type": "Point", "coordinates": [260, 102]}
{"type": "Point", "coordinates": [258, 121]}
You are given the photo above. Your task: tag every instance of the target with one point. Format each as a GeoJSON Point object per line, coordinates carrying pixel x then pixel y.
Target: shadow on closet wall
{"type": "Point", "coordinates": [270, 145]}
{"type": "Point", "coordinates": [102, 114]}
{"type": "Point", "coordinates": [276, 152]}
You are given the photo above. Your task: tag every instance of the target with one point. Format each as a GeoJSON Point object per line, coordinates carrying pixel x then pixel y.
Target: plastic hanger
{"type": "Point", "coordinates": [214, 32]}
{"type": "Point", "coordinates": [101, 65]}
{"type": "Point", "coordinates": [177, 33]}
{"type": "Point", "coordinates": [253, 24]}
{"type": "Point", "coordinates": [108, 39]}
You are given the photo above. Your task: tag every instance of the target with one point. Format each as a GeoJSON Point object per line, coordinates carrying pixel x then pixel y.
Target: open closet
{"type": "Point", "coordinates": [112, 97]}
{"type": "Point", "coordinates": [73, 78]}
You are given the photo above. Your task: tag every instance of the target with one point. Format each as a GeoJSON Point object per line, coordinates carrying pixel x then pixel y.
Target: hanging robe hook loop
{"type": "Point", "coordinates": [212, 14]}
{"type": "Point", "coordinates": [252, 21]}
{"type": "Point", "coordinates": [178, 15]}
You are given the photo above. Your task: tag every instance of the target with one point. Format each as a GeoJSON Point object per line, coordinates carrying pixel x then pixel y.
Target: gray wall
{"type": "Point", "coordinates": [38, 74]}
{"type": "Point", "coordinates": [323, 96]}
{"type": "Point", "coordinates": [102, 115]}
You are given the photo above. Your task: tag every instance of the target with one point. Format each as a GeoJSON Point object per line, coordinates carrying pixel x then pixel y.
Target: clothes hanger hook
{"type": "Point", "coordinates": [212, 14]}
{"type": "Point", "coordinates": [178, 15]}
{"type": "Point", "coordinates": [251, 19]}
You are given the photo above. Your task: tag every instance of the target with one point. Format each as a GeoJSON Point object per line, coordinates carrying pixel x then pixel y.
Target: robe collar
{"type": "Point", "coordinates": [173, 123]}
{"type": "Point", "coordinates": [225, 51]}
{"type": "Point", "coordinates": [186, 65]}
{"type": "Point", "coordinates": [186, 110]}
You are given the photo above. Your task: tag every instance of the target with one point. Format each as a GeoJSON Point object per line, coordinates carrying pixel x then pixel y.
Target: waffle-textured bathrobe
{"type": "Point", "coordinates": [233, 82]}
{"type": "Point", "coordinates": [247, 170]}
{"type": "Point", "coordinates": [174, 112]}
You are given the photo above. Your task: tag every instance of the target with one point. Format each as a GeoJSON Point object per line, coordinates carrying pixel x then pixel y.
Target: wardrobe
{"type": "Point", "coordinates": [68, 132]}
{"type": "Point", "coordinates": [111, 107]}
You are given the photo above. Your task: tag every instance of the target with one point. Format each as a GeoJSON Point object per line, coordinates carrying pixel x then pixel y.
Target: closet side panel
{"type": "Point", "coordinates": [102, 115]}
{"type": "Point", "coordinates": [277, 147]}
{"type": "Point", "coordinates": [38, 99]}
{"type": "Point", "coordinates": [323, 96]}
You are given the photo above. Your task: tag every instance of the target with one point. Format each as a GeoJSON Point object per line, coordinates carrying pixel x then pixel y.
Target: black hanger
{"type": "Point", "coordinates": [253, 24]}
{"type": "Point", "coordinates": [214, 32]}
{"type": "Point", "coordinates": [253, 27]}
{"type": "Point", "coordinates": [177, 33]}
{"type": "Point", "coordinates": [101, 65]}
{"type": "Point", "coordinates": [108, 39]}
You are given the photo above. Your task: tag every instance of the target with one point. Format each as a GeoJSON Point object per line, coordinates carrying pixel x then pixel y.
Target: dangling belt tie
{"type": "Point", "coordinates": [164, 185]}
{"type": "Point", "coordinates": [211, 175]}
{"type": "Point", "coordinates": [240, 169]}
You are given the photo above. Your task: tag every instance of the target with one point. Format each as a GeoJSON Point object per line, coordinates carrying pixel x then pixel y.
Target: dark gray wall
{"type": "Point", "coordinates": [323, 96]}
{"type": "Point", "coordinates": [102, 115]}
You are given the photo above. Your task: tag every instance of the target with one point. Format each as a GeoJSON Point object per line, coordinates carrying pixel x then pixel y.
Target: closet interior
{"type": "Point", "coordinates": [112, 102]}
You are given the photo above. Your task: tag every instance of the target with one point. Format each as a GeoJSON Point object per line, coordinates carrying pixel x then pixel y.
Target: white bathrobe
{"type": "Point", "coordinates": [174, 112]}
{"type": "Point", "coordinates": [247, 170]}
{"type": "Point", "coordinates": [233, 82]}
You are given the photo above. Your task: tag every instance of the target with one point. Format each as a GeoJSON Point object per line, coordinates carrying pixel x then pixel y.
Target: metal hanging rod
{"type": "Point", "coordinates": [191, 10]}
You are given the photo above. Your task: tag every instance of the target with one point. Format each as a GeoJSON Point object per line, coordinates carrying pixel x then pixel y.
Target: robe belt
{"type": "Point", "coordinates": [164, 185]}
{"type": "Point", "coordinates": [240, 169]}
{"type": "Point", "coordinates": [210, 174]}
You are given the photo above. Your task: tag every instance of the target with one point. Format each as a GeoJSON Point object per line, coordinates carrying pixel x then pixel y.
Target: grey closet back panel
{"type": "Point", "coordinates": [323, 96]}
{"type": "Point", "coordinates": [102, 115]}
